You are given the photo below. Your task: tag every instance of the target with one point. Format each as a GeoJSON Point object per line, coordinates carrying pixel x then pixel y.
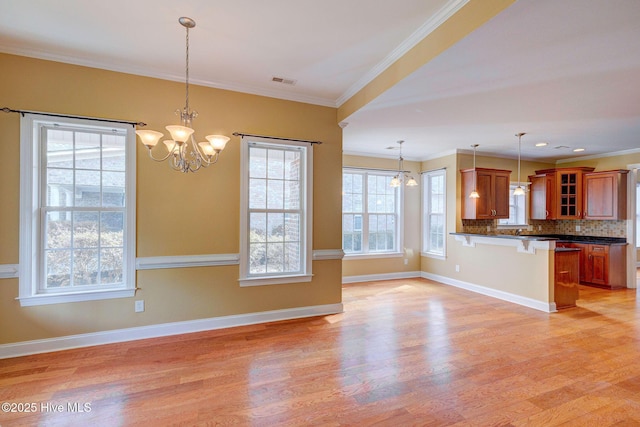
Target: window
{"type": "Point", "coordinates": [77, 225]}
{"type": "Point", "coordinates": [275, 212]}
{"type": "Point", "coordinates": [370, 213]}
{"type": "Point", "coordinates": [517, 210]}
{"type": "Point", "coordinates": [434, 212]}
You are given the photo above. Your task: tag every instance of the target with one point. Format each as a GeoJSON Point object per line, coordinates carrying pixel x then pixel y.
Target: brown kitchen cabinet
{"type": "Point", "coordinates": [567, 266]}
{"type": "Point", "coordinates": [568, 195]}
{"type": "Point", "coordinates": [605, 195]}
{"type": "Point", "coordinates": [601, 265]}
{"type": "Point", "coordinates": [542, 193]}
{"type": "Point", "coordinates": [492, 186]}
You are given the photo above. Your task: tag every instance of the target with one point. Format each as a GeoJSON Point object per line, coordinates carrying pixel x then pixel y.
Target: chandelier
{"type": "Point", "coordinates": [185, 155]}
{"type": "Point", "coordinates": [397, 180]}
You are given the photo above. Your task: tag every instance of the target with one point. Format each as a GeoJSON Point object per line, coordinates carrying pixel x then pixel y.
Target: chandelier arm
{"type": "Point", "coordinates": [162, 159]}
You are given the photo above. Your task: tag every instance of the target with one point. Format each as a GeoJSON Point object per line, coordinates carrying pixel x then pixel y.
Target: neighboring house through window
{"type": "Point", "coordinates": [275, 211]}
{"type": "Point", "coordinates": [77, 224]}
{"type": "Point", "coordinates": [434, 213]}
{"type": "Point", "coordinates": [371, 214]}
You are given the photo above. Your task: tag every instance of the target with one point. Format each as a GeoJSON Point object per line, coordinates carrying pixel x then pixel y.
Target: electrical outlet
{"type": "Point", "coordinates": [139, 306]}
{"type": "Point", "coordinates": [406, 261]}
{"type": "Point", "coordinates": [539, 228]}
{"type": "Point", "coordinates": [577, 228]}
{"type": "Point", "coordinates": [488, 228]}
{"type": "Point", "coordinates": [457, 268]}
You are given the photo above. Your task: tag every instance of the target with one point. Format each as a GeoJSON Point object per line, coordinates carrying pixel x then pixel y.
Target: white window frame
{"type": "Point", "coordinates": [399, 205]}
{"type": "Point", "coordinates": [525, 197]}
{"type": "Point", "coordinates": [427, 213]}
{"type": "Point", "coordinates": [32, 165]}
{"type": "Point", "coordinates": [306, 189]}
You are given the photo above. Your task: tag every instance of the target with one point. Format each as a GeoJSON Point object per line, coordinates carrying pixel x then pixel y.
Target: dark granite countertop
{"type": "Point", "coordinates": [598, 240]}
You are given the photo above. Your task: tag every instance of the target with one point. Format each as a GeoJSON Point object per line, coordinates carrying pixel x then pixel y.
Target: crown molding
{"type": "Point", "coordinates": [599, 156]}
{"type": "Point", "coordinates": [446, 12]}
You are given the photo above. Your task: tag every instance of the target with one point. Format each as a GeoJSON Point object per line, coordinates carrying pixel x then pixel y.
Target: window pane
{"type": "Point", "coordinates": [257, 163]}
{"type": "Point", "coordinates": [87, 188]}
{"type": "Point", "coordinates": [59, 187]}
{"type": "Point", "coordinates": [275, 194]}
{"type": "Point", "coordinates": [275, 257]}
{"type": "Point", "coordinates": [292, 227]}
{"type": "Point", "coordinates": [111, 262]}
{"type": "Point", "coordinates": [58, 230]}
{"type": "Point", "coordinates": [275, 226]}
{"type": "Point", "coordinates": [258, 227]}
{"type": "Point", "coordinates": [57, 268]}
{"type": "Point", "coordinates": [292, 195]}
{"type": "Point", "coordinates": [85, 267]}
{"type": "Point", "coordinates": [113, 153]}
{"type": "Point", "coordinates": [85, 230]}
{"type": "Point", "coordinates": [257, 193]}
{"type": "Point", "coordinates": [113, 189]}
{"type": "Point", "coordinates": [275, 164]}
{"type": "Point", "coordinates": [257, 258]}
{"type": "Point", "coordinates": [87, 151]}
{"type": "Point", "coordinates": [112, 229]}
{"type": "Point", "coordinates": [292, 257]}
{"type": "Point", "coordinates": [59, 149]}
{"type": "Point", "coordinates": [292, 165]}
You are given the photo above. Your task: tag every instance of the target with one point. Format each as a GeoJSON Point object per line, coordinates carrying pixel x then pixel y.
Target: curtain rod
{"type": "Point", "coordinates": [276, 137]}
{"type": "Point", "coordinates": [434, 170]}
{"type": "Point", "coordinates": [374, 169]}
{"type": "Point", "coordinates": [69, 116]}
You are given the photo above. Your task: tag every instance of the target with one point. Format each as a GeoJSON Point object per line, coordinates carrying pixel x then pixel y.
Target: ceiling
{"type": "Point", "coordinates": [565, 72]}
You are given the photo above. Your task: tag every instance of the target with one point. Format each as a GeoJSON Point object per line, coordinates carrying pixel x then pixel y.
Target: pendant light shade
{"type": "Point", "coordinates": [402, 176]}
{"type": "Point", "coordinates": [519, 191]}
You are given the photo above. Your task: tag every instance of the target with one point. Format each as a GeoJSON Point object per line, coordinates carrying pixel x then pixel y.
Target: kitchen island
{"type": "Point", "coordinates": [519, 269]}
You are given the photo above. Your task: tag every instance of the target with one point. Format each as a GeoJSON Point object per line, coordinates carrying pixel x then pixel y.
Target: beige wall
{"type": "Point", "coordinates": [411, 237]}
{"type": "Point", "coordinates": [177, 214]}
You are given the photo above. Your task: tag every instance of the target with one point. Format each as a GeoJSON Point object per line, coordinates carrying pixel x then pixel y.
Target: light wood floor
{"type": "Point", "coordinates": [405, 352]}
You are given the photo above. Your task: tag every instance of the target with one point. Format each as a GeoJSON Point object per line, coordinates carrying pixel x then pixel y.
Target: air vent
{"type": "Point", "coordinates": [283, 80]}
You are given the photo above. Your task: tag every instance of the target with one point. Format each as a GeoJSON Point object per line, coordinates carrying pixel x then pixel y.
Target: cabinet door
{"type": "Point", "coordinates": [585, 270]}
{"type": "Point", "coordinates": [569, 188]}
{"type": "Point", "coordinates": [501, 195]}
{"type": "Point", "coordinates": [598, 261]}
{"type": "Point", "coordinates": [605, 195]}
{"type": "Point", "coordinates": [542, 197]}
{"type": "Point", "coordinates": [484, 205]}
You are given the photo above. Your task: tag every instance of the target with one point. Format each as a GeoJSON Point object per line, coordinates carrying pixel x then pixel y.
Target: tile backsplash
{"type": "Point", "coordinates": [587, 227]}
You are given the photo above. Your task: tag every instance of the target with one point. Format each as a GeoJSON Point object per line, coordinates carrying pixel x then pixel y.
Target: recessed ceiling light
{"type": "Point", "coordinates": [577, 150]}
{"type": "Point", "coordinates": [542, 144]}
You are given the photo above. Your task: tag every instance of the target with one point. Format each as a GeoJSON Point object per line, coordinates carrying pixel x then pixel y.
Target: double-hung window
{"type": "Point", "coordinates": [434, 213]}
{"type": "Point", "coordinates": [517, 210]}
{"type": "Point", "coordinates": [77, 207]}
{"type": "Point", "coordinates": [371, 213]}
{"type": "Point", "coordinates": [276, 209]}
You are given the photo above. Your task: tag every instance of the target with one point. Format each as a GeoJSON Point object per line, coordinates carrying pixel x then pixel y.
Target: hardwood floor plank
{"type": "Point", "coordinates": [404, 352]}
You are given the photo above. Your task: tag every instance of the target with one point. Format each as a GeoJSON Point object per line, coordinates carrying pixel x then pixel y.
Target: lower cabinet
{"type": "Point", "coordinates": [567, 266]}
{"type": "Point", "coordinates": [601, 265]}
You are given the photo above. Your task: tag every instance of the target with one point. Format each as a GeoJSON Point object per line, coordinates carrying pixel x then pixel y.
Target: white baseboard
{"type": "Point", "coordinates": [385, 276]}
{"type": "Point", "coordinates": [547, 307]}
{"type": "Point", "coordinates": [153, 331]}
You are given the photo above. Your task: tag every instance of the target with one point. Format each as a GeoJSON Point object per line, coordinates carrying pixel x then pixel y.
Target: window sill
{"type": "Point", "coordinates": [432, 255]}
{"type": "Point", "coordinates": [44, 299]}
{"type": "Point", "coordinates": [373, 255]}
{"type": "Point", "coordinates": [275, 280]}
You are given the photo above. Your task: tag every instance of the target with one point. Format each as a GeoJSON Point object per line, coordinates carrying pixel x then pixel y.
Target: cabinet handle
{"type": "Point", "coordinates": [590, 256]}
{"type": "Point", "coordinates": [546, 215]}
{"type": "Point", "coordinates": [579, 214]}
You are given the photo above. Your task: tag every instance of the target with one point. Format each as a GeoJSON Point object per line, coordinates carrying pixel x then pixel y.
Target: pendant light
{"type": "Point", "coordinates": [474, 194]}
{"type": "Point", "coordinates": [396, 181]}
{"type": "Point", "coordinates": [519, 191]}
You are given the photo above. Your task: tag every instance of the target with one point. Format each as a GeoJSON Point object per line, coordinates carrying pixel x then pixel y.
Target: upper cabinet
{"type": "Point", "coordinates": [493, 187]}
{"type": "Point", "coordinates": [578, 193]}
{"type": "Point", "coordinates": [605, 195]}
{"type": "Point", "coordinates": [543, 196]}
